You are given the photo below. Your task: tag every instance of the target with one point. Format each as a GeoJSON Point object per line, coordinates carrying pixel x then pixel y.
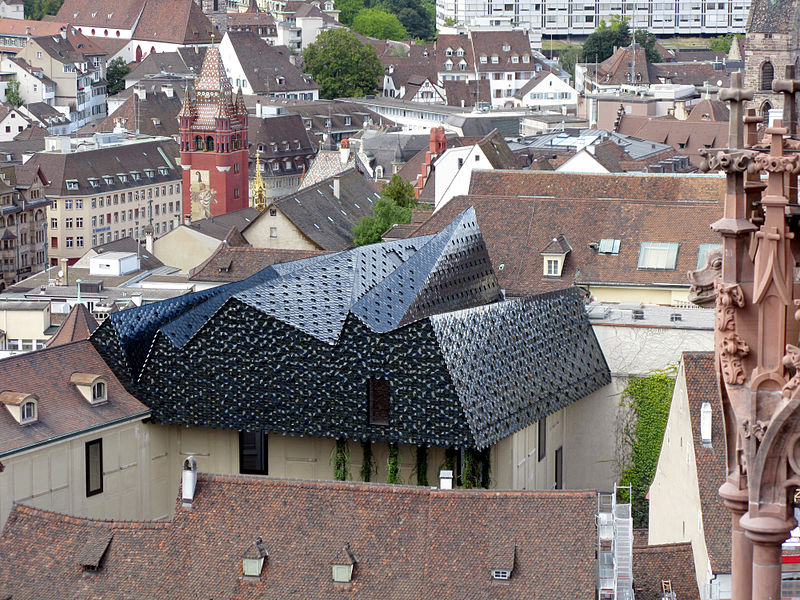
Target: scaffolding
{"type": "Point", "coordinates": [614, 546]}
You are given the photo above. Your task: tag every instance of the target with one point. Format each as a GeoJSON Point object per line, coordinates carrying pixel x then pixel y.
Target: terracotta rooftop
{"type": "Point", "coordinates": [78, 325]}
{"type": "Point", "coordinates": [416, 542]}
{"type": "Point", "coordinates": [674, 563]}
{"type": "Point", "coordinates": [240, 262]}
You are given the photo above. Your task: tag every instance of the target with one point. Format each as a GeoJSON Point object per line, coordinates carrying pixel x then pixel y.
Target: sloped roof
{"type": "Point", "coordinates": [424, 313]}
{"type": "Point", "coordinates": [268, 68]}
{"type": "Point", "coordinates": [235, 263]}
{"type": "Point", "coordinates": [688, 137]}
{"type": "Point", "coordinates": [497, 152]}
{"type": "Point", "coordinates": [773, 16]}
{"type": "Point", "coordinates": [173, 21]}
{"type": "Point", "coordinates": [467, 93]}
{"type": "Point", "coordinates": [325, 219]}
{"type": "Point", "coordinates": [665, 562]}
{"type": "Point", "coordinates": [128, 244]}
{"type": "Point", "coordinates": [616, 69]}
{"type": "Point", "coordinates": [413, 541]}
{"type": "Point", "coordinates": [701, 386]}
{"type": "Point", "coordinates": [219, 226]}
{"type": "Point", "coordinates": [79, 325]}
{"type": "Point", "coordinates": [122, 15]}
{"type": "Point", "coordinates": [156, 115]}
{"type": "Point", "coordinates": [709, 110]}
{"type": "Point", "coordinates": [62, 411]}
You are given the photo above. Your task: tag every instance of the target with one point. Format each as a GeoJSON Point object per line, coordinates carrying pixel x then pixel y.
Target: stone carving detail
{"type": "Point", "coordinates": [736, 161]}
{"type": "Point", "coordinates": [792, 359]}
{"type": "Point", "coordinates": [702, 280]}
{"type": "Point", "coordinates": [731, 347]}
{"type": "Point", "coordinates": [775, 164]}
{"type": "Point", "coordinates": [757, 431]}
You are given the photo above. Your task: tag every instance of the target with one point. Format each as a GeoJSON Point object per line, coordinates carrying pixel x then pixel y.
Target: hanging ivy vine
{"type": "Point", "coordinates": [393, 465]}
{"type": "Point", "coordinates": [422, 465]}
{"type": "Point", "coordinates": [368, 466]}
{"type": "Point", "coordinates": [649, 399]}
{"type": "Point", "coordinates": [477, 468]}
{"type": "Point", "coordinates": [451, 464]}
{"type": "Point", "coordinates": [341, 460]}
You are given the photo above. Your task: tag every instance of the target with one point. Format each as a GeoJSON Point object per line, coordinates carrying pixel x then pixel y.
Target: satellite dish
{"type": "Point", "coordinates": [60, 273]}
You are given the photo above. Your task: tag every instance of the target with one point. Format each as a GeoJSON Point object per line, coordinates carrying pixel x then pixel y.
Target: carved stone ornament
{"type": "Point", "coordinates": [757, 431]}
{"type": "Point", "coordinates": [792, 359]}
{"type": "Point", "coordinates": [736, 161]}
{"type": "Point", "coordinates": [775, 164]}
{"type": "Point", "coordinates": [731, 348]}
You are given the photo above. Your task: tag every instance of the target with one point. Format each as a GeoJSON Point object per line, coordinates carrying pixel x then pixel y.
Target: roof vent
{"type": "Point", "coordinates": [253, 559]}
{"type": "Point", "coordinates": [188, 481]}
{"type": "Point", "coordinates": [343, 567]}
{"type": "Point", "coordinates": [705, 423]}
{"type": "Point", "coordinates": [95, 548]}
{"type": "Point", "coordinates": [638, 314]}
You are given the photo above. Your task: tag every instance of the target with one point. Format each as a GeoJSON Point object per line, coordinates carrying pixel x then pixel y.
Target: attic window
{"type": "Point", "coordinates": [449, 52]}
{"type": "Point", "coordinates": [94, 388]}
{"type": "Point", "coordinates": [122, 177]}
{"type": "Point", "coordinates": [501, 562]}
{"type": "Point", "coordinates": [483, 59]}
{"type": "Point", "coordinates": [136, 175]}
{"type": "Point", "coordinates": [342, 568]}
{"type": "Point", "coordinates": [91, 556]}
{"type": "Point", "coordinates": [501, 574]}
{"type": "Point", "coordinates": [99, 393]}
{"type": "Point", "coordinates": [253, 559]}
{"type": "Point", "coordinates": [150, 173]}
{"type": "Point", "coordinates": [23, 407]}
{"type": "Point", "coordinates": [460, 52]}
{"type": "Point", "coordinates": [658, 255]}
{"type": "Point", "coordinates": [495, 59]}
{"type": "Point", "coordinates": [526, 58]}
{"type": "Point", "coordinates": [163, 170]}
{"type": "Point", "coordinates": [72, 184]}
{"type": "Point", "coordinates": [108, 180]}
{"type": "Point", "coordinates": [514, 59]}
{"type": "Point", "coordinates": [702, 254]}
{"type": "Point", "coordinates": [506, 47]}
{"type": "Point", "coordinates": [608, 246]}
{"type": "Point", "coordinates": [94, 182]}
{"type": "Point", "coordinates": [379, 394]}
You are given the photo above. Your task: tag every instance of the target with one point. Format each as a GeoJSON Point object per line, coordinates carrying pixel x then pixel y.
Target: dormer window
{"type": "Point", "coordinates": [554, 255]}
{"type": "Point", "coordinates": [460, 52]}
{"type": "Point", "coordinates": [448, 52]}
{"type": "Point", "coordinates": [94, 388]}
{"type": "Point", "coordinates": [72, 184]}
{"type": "Point", "coordinates": [484, 59]}
{"type": "Point", "coordinates": [163, 171]}
{"type": "Point", "coordinates": [343, 566]}
{"type": "Point", "coordinates": [501, 574]}
{"type": "Point", "coordinates": [94, 182]}
{"type": "Point", "coordinates": [514, 59]}
{"type": "Point", "coordinates": [506, 47]}
{"type": "Point", "coordinates": [150, 173]}
{"type": "Point", "coordinates": [253, 560]}
{"type": "Point", "coordinates": [501, 562]}
{"type": "Point", "coordinates": [448, 65]}
{"type": "Point", "coordinates": [526, 58]}
{"type": "Point", "coordinates": [136, 175]}
{"type": "Point", "coordinates": [495, 59]}
{"type": "Point", "coordinates": [122, 177]}
{"type": "Point", "coordinates": [108, 180]}
{"type": "Point", "coordinates": [23, 407]}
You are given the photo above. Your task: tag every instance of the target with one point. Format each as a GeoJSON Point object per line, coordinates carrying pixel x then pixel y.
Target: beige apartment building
{"type": "Point", "coordinates": [24, 325]}
{"type": "Point", "coordinates": [107, 187]}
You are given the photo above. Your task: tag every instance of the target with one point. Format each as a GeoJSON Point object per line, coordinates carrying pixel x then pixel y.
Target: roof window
{"type": "Point", "coordinates": [72, 184]}
{"type": "Point", "coordinates": [23, 407]}
{"type": "Point", "coordinates": [108, 180]}
{"type": "Point", "coordinates": [122, 177]}
{"type": "Point", "coordinates": [94, 182]}
{"type": "Point", "coordinates": [136, 175]}
{"type": "Point", "coordinates": [91, 556]}
{"type": "Point", "coordinates": [608, 246]}
{"type": "Point", "coordinates": [342, 567]}
{"type": "Point", "coordinates": [501, 563]}
{"type": "Point", "coordinates": [483, 59]}
{"type": "Point", "coordinates": [253, 559]}
{"type": "Point", "coordinates": [658, 255]}
{"type": "Point", "coordinates": [150, 173]}
{"type": "Point", "coordinates": [495, 59]}
{"type": "Point", "coordinates": [94, 388]}
{"type": "Point", "coordinates": [163, 171]}
{"type": "Point", "coordinates": [506, 47]}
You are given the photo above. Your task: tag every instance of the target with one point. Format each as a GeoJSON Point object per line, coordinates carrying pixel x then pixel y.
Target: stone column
{"type": "Point", "coordinates": [768, 534]}
{"type": "Point", "coordinates": [735, 500]}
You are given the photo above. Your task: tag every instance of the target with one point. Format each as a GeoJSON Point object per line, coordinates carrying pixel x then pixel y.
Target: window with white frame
{"type": "Point", "coordinates": [501, 574]}
{"type": "Point", "coordinates": [658, 255]}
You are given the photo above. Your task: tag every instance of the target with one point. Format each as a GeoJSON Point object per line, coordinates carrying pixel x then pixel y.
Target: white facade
{"type": "Point", "coordinates": [551, 93]}
{"type": "Point", "coordinates": [12, 124]}
{"type": "Point", "coordinates": [113, 263]}
{"type": "Point", "coordinates": [9, 10]}
{"type": "Point", "coordinates": [575, 18]}
{"type": "Point", "coordinates": [582, 162]}
{"type": "Point", "coordinates": [31, 88]}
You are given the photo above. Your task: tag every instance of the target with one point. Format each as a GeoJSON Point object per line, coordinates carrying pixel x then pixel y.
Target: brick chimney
{"type": "Point", "coordinates": [437, 144]}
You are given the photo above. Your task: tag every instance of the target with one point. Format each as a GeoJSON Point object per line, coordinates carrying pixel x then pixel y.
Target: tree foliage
{"type": "Point", "coordinates": [723, 43]}
{"type": "Point", "coordinates": [649, 398]}
{"type": "Point", "coordinates": [568, 58]}
{"type": "Point", "coordinates": [399, 191]}
{"type": "Point", "coordinates": [12, 93]}
{"type": "Point", "coordinates": [342, 65]}
{"type": "Point", "coordinates": [417, 17]}
{"type": "Point", "coordinates": [393, 465]}
{"type": "Point", "coordinates": [380, 24]}
{"type": "Point", "coordinates": [340, 460]}
{"type": "Point", "coordinates": [36, 9]}
{"type": "Point", "coordinates": [387, 213]}
{"type": "Point", "coordinates": [115, 75]}
{"type": "Point", "coordinates": [648, 40]}
{"type": "Point", "coordinates": [600, 44]}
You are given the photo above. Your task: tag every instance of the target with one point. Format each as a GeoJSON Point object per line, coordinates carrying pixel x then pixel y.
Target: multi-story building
{"type": "Point", "coordinates": [77, 67]}
{"type": "Point", "coordinates": [107, 187]}
{"type": "Point", "coordinates": [22, 227]}
{"type": "Point", "coordinates": [578, 18]}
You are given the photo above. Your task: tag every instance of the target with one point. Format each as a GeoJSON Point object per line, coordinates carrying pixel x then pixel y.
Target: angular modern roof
{"type": "Point", "coordinates": [61, 411]}
{"type": "Point", "coordinates": [407, 543]}
{"type": "Point", "coordinates": [466, 368]}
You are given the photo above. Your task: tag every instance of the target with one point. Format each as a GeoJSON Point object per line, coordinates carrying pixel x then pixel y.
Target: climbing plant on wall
{"type": "Point", "coordinates": [649, 399]}
{"type": "Point", "coordinates": [476, 470]}
{"type": "Point", "coordinates": [368, 466]}
{"type": "Point", "coordinates": [393, 465]}
{"type": "Point", "coordinates": [422, 465]}
{"type": "Point", "coordinates": [341, 460]}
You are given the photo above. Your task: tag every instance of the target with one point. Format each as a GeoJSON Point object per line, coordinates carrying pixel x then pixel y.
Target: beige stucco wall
{"type": "Point", "coordinates": [136, 479]}
{"type": "Point", "coordinates": [645, 295]}
{"type": "Point", "coordinates": [25, 324]}
{"type": "Point", "coordinates": [288, 237]}
{"type": "Point", "coordinates": [675, 511]}
{"type": "Point", "coordinates": [184, 248]}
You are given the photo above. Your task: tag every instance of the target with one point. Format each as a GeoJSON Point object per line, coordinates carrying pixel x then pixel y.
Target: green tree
{"type": "Point", "coordinates": [399, 191]}
{"type": "Point", "coordinates": [387, 213]}
{"type": "Point", "coordinates": [115, 75]}
{"type": "Point", "coordinates": [36, 9]}
{"type": "Point", "coordinates": [417, 17]}
{"type": "Point", "coordinates": [568, 58]}
{"type": "Point", "coordinates": [450, 22]}
{"type": "Point", "coordinates": [12, 93]}
{"type": "Point", "coordinates": [342, 65]}
{"type": "Point", "coordinates": [380, 24]}
{"type": "Point", "coordinates": [723, 43]}
{"type": "Point", "coordinates": [348, 9]}
{"type": "Point", "coordinates": [600, 44]}
{"type": "Point", "coordinates": [648, 40]}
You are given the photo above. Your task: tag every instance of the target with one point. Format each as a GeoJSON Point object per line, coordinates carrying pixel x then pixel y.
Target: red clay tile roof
{"type": "Point", "coordinates": [78, 325]}
{"type": "Point", "coordinates": [237, 263]}
{"type": "Point", "coordinates": [409, 543]}
{"type": "Point", "coordinates": [687, 137]}
{"type": "Point", "coordinates": [701, 386]}
{"type": "Point", "coordinates": [62, 411]}
{"type": "Point", "coordinates": [666, 562]}
{"type": "Point", "coordinates": [87, 13]}
{"type": "Point", "coordinates": [518, 264]}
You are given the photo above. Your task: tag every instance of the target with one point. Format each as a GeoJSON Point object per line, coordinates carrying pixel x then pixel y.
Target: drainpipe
{"type": "Point", "coordinates": [79, 290]}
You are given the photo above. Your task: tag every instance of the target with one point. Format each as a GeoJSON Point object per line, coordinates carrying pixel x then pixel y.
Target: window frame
{"type": "Point", "coordinates": [90, 490]}
{"type": "Point", "coordinates": [263, 451]}
{"type": "Point", "coordinates": [373, 412]}
{"type": "Point", "coordinates": [541, 439]}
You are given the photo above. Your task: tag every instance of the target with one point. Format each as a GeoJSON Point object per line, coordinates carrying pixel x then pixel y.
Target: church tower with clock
{"type": "Point", "coordinates": [213, 144]}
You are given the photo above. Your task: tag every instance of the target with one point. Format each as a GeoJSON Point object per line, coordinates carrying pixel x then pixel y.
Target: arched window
{"type": "Point", "coordinates": [198, 142]}
{"type": "Point", "coordinates": [138, 53]}
{"type": "Point", "coordinates": [99, 392]}
{"type": "Point", "coordinates": [767, 74]}
{"type": "Point", "coordinates": [765, 108]}
{"type": "Point", "coordinates": [209, 144]}
{"type": "Point", "coordinates": [199, 177]}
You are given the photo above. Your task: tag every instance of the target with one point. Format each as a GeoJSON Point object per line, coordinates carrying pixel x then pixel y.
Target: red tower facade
{"type": "Point", "coordinates": [213, 140]}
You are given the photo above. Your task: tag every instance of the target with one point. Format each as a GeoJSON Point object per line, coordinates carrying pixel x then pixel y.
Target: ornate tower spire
{"type": "Point", "coordinates": [259, 191]}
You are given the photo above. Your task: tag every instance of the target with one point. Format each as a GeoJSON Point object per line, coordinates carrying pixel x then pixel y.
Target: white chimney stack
{"type": "Point", "coordinates": [188, 481]}
{"type": "Point", "coordinates": [446, 480]}
{"type": "Point", "coordinates": [337, 190]}
{"type": "Point", "coordinates": [140, 92]}
{"type": "Point", "coordinates": [705, 423]}
{"type": "Point", "coordinates": [167, 89]}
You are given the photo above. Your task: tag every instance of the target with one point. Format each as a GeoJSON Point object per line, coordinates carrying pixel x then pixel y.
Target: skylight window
{"type": "Point", "coordinates": [658, 255]}
{"type": "Point", "coordinates": [609, 246]}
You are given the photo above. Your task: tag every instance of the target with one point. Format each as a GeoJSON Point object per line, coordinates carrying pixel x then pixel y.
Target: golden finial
{"type": "Point", "coordinates": [259, 199]}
